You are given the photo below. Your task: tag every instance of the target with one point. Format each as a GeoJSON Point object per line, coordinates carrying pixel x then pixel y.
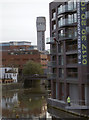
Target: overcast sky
{"type": "Point", "coordinates": [18, 19]}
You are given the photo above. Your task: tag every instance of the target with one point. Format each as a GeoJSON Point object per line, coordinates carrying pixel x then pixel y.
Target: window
{"type": "Point", "coordinates": [61, 72]}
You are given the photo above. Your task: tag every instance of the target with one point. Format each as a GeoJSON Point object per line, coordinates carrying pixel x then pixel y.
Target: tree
{"type": "Point", "coordinates": [31, 68]}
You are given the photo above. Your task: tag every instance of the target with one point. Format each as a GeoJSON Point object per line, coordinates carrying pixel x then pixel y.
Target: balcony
{"type": "Point", "coordinates": [66, 8]}
{"type": "Point", "coordinates": [72, 75]}
{"type": "Point", "coordinates": [53, 51]}
{"type": "Point", "coordinates": [71, 48]}
{"type": "Point", "coordinates": [50, 40]}
{"type": "Point", "coordinates": [72, 62]}
{"type": "Point", "coordinates": [67, 35]}
{"type": "Point", "coordinates": [67, 22]}
{"type": "Point", "coordinates": [52, 64]}
{"type": "Point", "coordinates": [51, 76]}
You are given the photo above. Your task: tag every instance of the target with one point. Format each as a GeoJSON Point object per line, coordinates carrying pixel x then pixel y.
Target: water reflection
{"type": "Point", "coordinates": [23, 104]}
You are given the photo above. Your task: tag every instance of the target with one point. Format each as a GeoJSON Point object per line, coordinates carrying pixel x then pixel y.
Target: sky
{"type": "Point", "coordinates": [18, 19]}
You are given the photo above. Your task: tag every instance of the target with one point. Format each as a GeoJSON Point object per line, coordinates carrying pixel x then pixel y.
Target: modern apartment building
{"type": "Point", "coordinates": [69, 63]}
{"type": "Point", "coordinates": [16, 54]}
{"type": "Point", "coordinates": [41, 28]}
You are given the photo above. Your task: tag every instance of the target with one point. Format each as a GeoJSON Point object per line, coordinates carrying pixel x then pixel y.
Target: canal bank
{"type": "Point", "coordinates": [82, 111]}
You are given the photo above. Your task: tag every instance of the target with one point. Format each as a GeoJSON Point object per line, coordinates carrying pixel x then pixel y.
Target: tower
{"type": "Point", "coordinates": [41, 28]}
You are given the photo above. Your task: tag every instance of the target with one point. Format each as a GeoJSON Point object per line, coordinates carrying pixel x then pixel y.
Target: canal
{"type": "Point", "coordinates": [30, 103]}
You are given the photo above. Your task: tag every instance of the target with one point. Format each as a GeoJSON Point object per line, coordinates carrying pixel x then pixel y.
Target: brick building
{"type": "Point", "coordinates": [18, 53]}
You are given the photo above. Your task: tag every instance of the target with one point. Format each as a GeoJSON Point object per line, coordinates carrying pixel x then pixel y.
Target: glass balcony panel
{"type": "Point", "coordinates": [66, 8]}
{"type": "Point", "coordinates": [67, 35]}
{"type": "Point", "coordinates": [50, 40]}
{"type": "Point", "coordinates": [70, 5]}
{"type": "Point", "coordinates": [66, 22]}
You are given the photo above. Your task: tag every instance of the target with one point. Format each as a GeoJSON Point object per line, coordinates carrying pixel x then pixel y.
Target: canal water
{"type": "Point", "coordinates": [30, 103]}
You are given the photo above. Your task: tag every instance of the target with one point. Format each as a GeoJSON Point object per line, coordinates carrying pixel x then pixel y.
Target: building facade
{"type": "Point", "coordinates": [41, 28]}
{"type": "Point", "coordinates": [68, 77]}
{"type": "Point", "coordinates": [16, 54]}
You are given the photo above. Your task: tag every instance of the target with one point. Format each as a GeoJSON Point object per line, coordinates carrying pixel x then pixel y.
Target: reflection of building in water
{"type": "Point", "coordinates": [26, 109]}
{"type": "Point", "coordinates": [8, 101]}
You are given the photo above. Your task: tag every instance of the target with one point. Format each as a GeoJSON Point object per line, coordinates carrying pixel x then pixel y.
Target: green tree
{"type": "Point", "coordinates": [31, 68]}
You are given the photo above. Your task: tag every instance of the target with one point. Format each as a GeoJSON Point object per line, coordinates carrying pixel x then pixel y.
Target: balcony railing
{"type": "Point", "coordinates": [52, 64]}
{"type": "Point", "coordinates": [66, 8]}
{"type": "Point", "coordinates": [71, 47]}
{"type": "Point", "coordinates": [65, 22]}
{"type": "Point", "coordinates": [52, 76]}
{"type": "Point", "coordinates": [67, 35]}
{"type": "Point", "coordinates": [50, 40]}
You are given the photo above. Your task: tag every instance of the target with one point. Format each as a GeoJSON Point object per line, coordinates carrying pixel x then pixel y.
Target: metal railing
{"type": "Point", "coordinates": [78, 102]}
